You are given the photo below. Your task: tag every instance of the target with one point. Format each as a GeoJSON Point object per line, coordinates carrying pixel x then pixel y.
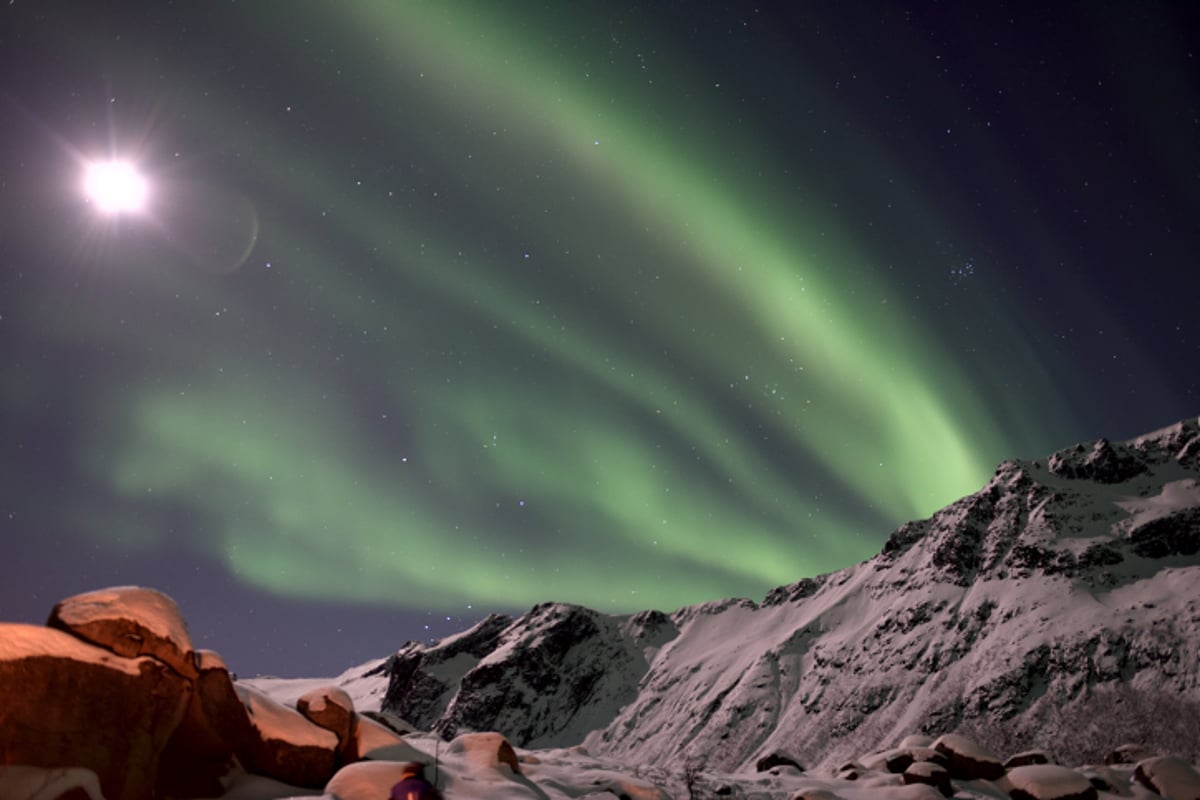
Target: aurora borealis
{"type": "Point", "coordinates": [442, 308]}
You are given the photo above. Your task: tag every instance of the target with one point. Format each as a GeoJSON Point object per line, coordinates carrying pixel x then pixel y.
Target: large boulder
{"type": "Point", "coordinates": [130, 621]}
{"type": "Point", "coordinates": [201, 753]}
{"type": "Point", "coordinates": [929, 774]}
{"type": "Point", "coordinates": [366, 780]}
{"type": "Point", "coordinates": [899, 759]}
{"type": "Point", "coordinates": [377, 742]}
{"type": "Point", "coordinates": [68, 703]}
{"type": "Point", "coordinates": [486, 751]}
{"type": "Point", "coordinates": [1128, 754]}
{"type": "Point", "coordinates": [1027, 758]}
{"type": "Point", "coordinates": [1047, 782]}
{"type": "Point", "coordinates": [776, 758]}
{"type": "Point", "coordinates": [284, 745]}
{"type": "Point", "coordinates": [966, 760]}
{"type": "Point", "coordinates": [1171, 777]}
{"type": "Point", "coordinates": [331, 708]}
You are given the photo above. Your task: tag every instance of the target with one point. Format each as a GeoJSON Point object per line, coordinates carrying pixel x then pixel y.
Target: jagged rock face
{"type": "Point", "coordinates": [423, 680]}
{"type": "Point", "coordinates": [549, 678]}
{"type": "Point", "coordinates": [1058, 584]}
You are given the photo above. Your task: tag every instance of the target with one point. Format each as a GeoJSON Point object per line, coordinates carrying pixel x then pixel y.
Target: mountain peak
{"type": "Point", "coordinates": [1065, 590]}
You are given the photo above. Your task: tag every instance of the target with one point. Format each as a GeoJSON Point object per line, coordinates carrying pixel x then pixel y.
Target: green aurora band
{"type": "Point", "coordinates": [569, 406]}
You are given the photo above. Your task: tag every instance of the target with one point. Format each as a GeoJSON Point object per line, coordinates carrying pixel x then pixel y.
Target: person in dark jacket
{"type": "Point", "coordinates": [413, 786]}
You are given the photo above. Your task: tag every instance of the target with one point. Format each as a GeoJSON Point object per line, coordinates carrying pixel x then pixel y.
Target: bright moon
{"type": "Point", "coordinates": [115, 187]}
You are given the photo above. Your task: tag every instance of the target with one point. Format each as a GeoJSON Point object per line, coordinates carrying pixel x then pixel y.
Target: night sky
{"type": "Point", "coordinates": [437, 309]}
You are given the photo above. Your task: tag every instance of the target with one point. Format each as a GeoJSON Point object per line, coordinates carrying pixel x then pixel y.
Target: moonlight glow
{"type": "Point", "coordinates": [115, 187]}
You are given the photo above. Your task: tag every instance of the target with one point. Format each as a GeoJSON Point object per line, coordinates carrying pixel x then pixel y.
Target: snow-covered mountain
{"type": "Point", "coordinates": [1058, 607]}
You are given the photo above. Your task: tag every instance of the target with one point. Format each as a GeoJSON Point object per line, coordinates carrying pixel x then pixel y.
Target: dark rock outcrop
{"type": "Point", "coordinates": [561, 666]}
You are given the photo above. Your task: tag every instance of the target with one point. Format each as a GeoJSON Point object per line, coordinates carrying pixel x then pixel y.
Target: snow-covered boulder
{"type": "Point", "coordinates": [130, 621]}
{"type": "Point", "coordinates": [1128, 754]}
{"type": "Point", "coordinates": [1047, 782]}
{"type": "Point", "coordinates": [1027, 758]}
{"type": "Point", "coordinates": [929, 774]}
{"type": "Point", "coordinates": [966, 760]}
{"type": "Point", "coordinates": [376, 742]}
{"type": "Point", "coordinates": [366, 780]}
{"type": "Point", "coordinates": [485, 751]}
{"type": "Point", "coordinates": [899, 759]}
{"type": "Point", "coordinates": [1171, 777]}
{"type": "Point", "coordinates": [331, 708]}
{"type": "Point", "coordinates": [68, 703]}
{"type": "Point", "coordinates": [284, 744]}
{"type": "Point", "coordinates": [776, 758]}
{"type": "Point", "coordinates": [48, 783]}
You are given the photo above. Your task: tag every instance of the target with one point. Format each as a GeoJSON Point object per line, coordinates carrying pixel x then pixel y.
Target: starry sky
{"type": "Point", "coordinates": [439, 309]}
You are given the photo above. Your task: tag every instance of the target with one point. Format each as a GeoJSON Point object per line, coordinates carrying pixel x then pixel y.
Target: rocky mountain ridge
{"type": "Point", "coordinates": [1064, 595]}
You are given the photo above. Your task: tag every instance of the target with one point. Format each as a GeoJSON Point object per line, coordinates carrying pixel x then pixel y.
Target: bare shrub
{"type": "Point", "coordinates": [1086, 729]}
{"type": "Point", "coordinates": [691, 777]}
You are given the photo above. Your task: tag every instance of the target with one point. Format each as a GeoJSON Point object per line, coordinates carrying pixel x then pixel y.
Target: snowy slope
{"type": "Point", "coordinates": [366, 685]}
{"type": "Point", "coordinates": [1064, 596]}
